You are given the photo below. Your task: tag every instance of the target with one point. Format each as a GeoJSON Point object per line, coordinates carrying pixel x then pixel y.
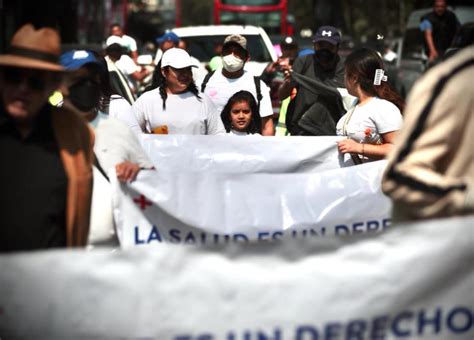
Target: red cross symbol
{"type": "Point", "coordinates": [142, 201]}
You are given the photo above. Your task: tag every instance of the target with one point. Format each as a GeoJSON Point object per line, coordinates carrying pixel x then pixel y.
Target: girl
{"type": "Point", "coordinates": [240, 115]}
{"type": "Point", "coordinates": [372, 124]}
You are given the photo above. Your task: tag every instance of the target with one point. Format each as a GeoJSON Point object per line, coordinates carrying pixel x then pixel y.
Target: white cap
{"type": "Point", "coordinates": [113, 39]}
{"type": "Point", "coordinates": [177, 58]}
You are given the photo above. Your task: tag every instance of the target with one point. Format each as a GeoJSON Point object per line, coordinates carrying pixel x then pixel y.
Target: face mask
{"type": "Point", "coordinates": [324, 56]}
{"type": "Point", "coordinates": [85, 95]}
{"type": "Point", "coordinates": [231, 63]}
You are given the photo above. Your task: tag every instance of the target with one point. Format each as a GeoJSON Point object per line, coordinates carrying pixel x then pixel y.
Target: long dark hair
{"type": "Point", "coordinates": [106, 88]}
{"type": "Point", "coordinates": [156, 79]}
{"type": "Point", "coordinates": [255, 125]}
{"type": "Point", "coordinates": [162, 88]}
{"type": "Point", "coordinates": [362, 64]}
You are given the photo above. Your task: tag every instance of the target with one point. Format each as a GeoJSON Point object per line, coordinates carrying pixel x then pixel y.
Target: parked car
{"type": "Point", "coordinates": [201, 41]}
{"type": "Point", "coordinates": [412, 59]}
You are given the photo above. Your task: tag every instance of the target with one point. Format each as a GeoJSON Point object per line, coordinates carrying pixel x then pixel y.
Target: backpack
{"type": "Point", "coordinates": [256, 80]}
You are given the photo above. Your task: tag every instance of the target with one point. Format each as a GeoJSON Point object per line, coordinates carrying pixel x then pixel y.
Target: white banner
{"type": "Point", "coordinates": [214, 208]}
{"type": "Point", "coordinates": [236, 154]}
{"type": "Point", "coordinates": [410, 282]}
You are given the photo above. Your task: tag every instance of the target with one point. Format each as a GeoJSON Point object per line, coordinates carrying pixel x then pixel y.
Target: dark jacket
{"type": "Point", "coordinates": [444, 30]}
{"type": "Point", "coordinates": [317, 106]}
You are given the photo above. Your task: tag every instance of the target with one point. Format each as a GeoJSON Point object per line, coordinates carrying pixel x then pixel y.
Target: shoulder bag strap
{"type": "Point", "coordinates": [206, 80]}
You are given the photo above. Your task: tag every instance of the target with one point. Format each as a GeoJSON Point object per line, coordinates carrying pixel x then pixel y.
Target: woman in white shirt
{"type": "Point", "coordinates": [372, 124]}
{"type": "Point", "coordinates": [176, 107]}
{"type": "Point", "coordinates": [240, 115]}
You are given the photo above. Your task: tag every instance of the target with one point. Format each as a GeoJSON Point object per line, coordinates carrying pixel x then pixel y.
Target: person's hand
{"type": "Point", "coordinates": [350, 146]}
{"type": "Point", "coordinates": [127, 171]}
{"type": "Point", "coordinates": [433, 56]}
{"type": "Point", "coordinates": [272, 67]}
{"type": "Point", "coordinates": [287, 70]}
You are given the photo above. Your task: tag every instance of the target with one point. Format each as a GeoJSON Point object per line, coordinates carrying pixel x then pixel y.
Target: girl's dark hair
{"type": "Point", "coordinates": [105, 85]}
{"type": "Point", "coordinates": [362, 64]}
{"type": "Point", "coordinates": [255, 125]}
{"type": "Point", "coordinates": [162, 88]}
{"type": "Point", "coordinates": [157, 78]}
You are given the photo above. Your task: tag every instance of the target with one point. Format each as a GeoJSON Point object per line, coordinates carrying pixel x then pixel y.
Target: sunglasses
{"type": "Point", "coordinates": [36, 80]}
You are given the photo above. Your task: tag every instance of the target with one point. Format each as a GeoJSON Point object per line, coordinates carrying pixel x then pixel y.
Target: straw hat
{"type": "Point", "coordinates": [31, 48]}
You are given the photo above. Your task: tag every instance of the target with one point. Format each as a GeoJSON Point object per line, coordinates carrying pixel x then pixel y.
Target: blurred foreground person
{"type": "Point", "coordinates": [176, 107]}
{"type": "Point", "coordinates": [431, 168]}
{"type": "Point", "coordinates": [115, 145]}
{"type": "Point", "coordinates": [46, 174]}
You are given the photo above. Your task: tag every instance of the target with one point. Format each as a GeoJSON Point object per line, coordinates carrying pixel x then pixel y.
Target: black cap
{"type": "Point", "coordinates": [329, 34]}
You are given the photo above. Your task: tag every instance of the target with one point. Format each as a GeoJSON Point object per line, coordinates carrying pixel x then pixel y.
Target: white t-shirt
{"type": "Point", "coordinates": [233, 132]}
{"type": "Point", "coordinates": [121, 109]}
{"type": "Point", "coordinates": [126, 41]}
{"type": "Point", "coordinates": [115, 143]}
{"type": "Point", "coordinates": [185, 114]}
{"type": "Point", "coordinates": [378, 115]}
{"type": "Point", "coordinates": [220, 89]}
{"type": "Point", "coordinates": [127, 66]}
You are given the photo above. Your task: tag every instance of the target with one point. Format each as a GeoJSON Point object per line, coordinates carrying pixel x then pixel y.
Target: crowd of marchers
{"type": "Point", "coordinates": [62, 114]}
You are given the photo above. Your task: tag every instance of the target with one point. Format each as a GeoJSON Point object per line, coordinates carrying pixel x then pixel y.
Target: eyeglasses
{"type": "Point", "coordinates": [36, 80]}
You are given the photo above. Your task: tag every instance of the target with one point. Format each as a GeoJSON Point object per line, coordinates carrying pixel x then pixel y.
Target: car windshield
{"type": "Point", "coordinates": [202, 47]}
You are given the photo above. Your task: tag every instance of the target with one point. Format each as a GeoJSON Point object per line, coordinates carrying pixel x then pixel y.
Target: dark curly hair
{"type": "Point", "coordinates": [362, 64]}
{"type": "Point", "coordinates": [255, 125]}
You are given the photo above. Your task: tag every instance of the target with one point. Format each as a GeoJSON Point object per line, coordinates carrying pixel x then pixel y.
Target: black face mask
{"type": "Point", "coordinates": [324, 56]}
{"type": "Point", "coordinates": [85, 94]}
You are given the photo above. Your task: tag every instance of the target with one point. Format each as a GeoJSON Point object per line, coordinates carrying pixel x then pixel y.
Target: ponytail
{"type": "Point", "coordinates": [363, 64]}
{"type": "Point", "coordinates": [194, 90]}
{"type": "Point", "coordinates": [385, 91]}
{"type": "Point", "coordinates": [163, 92]}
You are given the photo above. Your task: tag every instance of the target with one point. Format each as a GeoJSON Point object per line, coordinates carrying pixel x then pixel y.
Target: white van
{"type": "Point", "coordinates": [201, 40]}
